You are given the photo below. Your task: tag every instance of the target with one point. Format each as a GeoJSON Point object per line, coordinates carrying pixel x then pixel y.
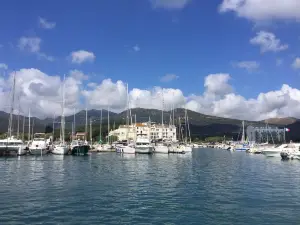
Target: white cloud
{"type": "Point", "coordinates": [268, 42]}
{"type": "Point", "coordinates": [136, 48]}
{"type": "Point", "coordinates": [296, 63]}
{"type": "Point", "coordinates": [248, 65]}
{"type": "Point", "coordinates": [263, 10]}
{"type": "Point", "coordinates": [32, 45]}
{"type": "Point", "coordinates": [170, 4]}
{"type": "Point", "coordinates": [43, 23]}
{"type": "Point", "coordinates": [169, 77]}
{"type": "Point", "coordinates": [279, 103]}
{"type": "Point", "coordinates": [82, 56]}
{"type": "Point", "coordinates": [3, 66]}
{"type": "Point", "coordinates": [41, 92]}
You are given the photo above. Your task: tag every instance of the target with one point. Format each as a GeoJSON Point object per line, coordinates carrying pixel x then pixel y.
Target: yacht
{"type": "Point", "coordinates": [60, 149]}
{"type": "Point", "coordinates": [79, 147]}
{"type": "Point", "coordinates": [275, 151]}
{"type": "Point", "coordinates": [142, 144]}
{"type": "Point", "coordinates": [125, 148]}
{"type": "Point", "coordinates": [160, 147]}
{"type": "Point", "coordinates": [293, 152]}
{"type": "Point", "coordinates": [12, 145]}
{"type": "Point", "coordinates": [38, 145]}
{"type": "Point", "coordinates": [176, 148]}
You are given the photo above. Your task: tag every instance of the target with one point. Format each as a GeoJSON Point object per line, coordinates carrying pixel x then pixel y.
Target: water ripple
{"type": "Point", "coordinates": [207, 186]}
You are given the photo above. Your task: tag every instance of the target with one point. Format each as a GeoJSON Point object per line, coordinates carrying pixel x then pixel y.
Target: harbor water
{"type": "Point", "coordinates": [207, 186]}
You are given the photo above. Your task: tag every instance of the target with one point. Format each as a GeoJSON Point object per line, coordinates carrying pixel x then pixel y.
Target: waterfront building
{"type": "Point", "coordinates": [153, 131]}
{"type": "Point", "coordinates": [265, 134]}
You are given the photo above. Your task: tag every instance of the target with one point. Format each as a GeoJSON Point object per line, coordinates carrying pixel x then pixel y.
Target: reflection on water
{"type": "Point", "coordinates": [206, 186]}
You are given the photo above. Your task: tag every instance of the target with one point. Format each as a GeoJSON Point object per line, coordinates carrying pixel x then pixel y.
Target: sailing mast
{"type": "Point", "coordinates": [29, 131]}
{"type": "Point", "coordinates": [127, 115]}
{"type": "Point", "coordinates": [100, 131]}
{"type": "Point", "coordinates": [108, 124]}
{"type": "Point", "coordinates": [86, 121]}
{"type": "Point", "coordinates": [185, 125]}
{"type": "Point", "coordinates": [12, 107]}
{"type": "Point", "coordinates": [23, 128]}
{"type": "Point", "coordinates": [63, 113]}
{"type": "Point", "coordinates": [243, 134]}
{"type": "Point", "coordinates": [74, 124]}
{"type": "Point", "coordinates": [162, 115]}
{"type": "Point", "coordinates": [188, 124]}
{"type": "Point", "coordinates": [18, 129]}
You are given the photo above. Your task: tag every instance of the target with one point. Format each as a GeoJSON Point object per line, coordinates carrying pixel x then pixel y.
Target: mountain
{"type": "Point", "coordinates": [281, 121]}
{"type": "Point", "coordinates": [201, 125]}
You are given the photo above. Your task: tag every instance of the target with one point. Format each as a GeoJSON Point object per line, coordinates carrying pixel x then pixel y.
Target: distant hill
{"type": "Point", "coordinates": [201, 125]}
{"type": "Point", "coordinates": [281, 121]}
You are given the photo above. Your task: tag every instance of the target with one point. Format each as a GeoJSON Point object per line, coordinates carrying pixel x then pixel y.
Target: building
{"type": "Point", "coordinates": [265, 134]}
{"type": "Point", "coordinates": [153, 131]}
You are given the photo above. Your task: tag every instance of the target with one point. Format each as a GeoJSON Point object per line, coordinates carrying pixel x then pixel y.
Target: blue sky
{"type": "Point", "coordinates": [139, 42]}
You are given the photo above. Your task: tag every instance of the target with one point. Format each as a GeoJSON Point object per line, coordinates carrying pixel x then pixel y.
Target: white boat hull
{"type": "Point", "coordinates": [144, 150]}
{"type": "Point", "coordinates": [272, 153]}
{"type": "Point", "coordinates": [60, 150]}
{"type": "Point", "coordinates": [38, 151]}
{"type": "Point", "coordinates": [125, 150]}
{"type": "Point", "coordinates": [188, 149]}
{"type": "Point", "coordinates": [161, 149]}
{"type": "Point", "coordinates": [179, 149]}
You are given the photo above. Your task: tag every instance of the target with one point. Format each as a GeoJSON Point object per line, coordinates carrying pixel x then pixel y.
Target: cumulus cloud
{"type": "Point", "coordinates": [268, 42]}
{"type": "Point", "coordinates": [32, 45]}
{"type": "Point", "coordinates": [296, 63]}
{"type": "Point", "coordinates": [82, 56]}
{"type": "Point", "coordinates": [248, 65]}
{"type": "Point", "coordinates": [263, 10]}
{"type": "Point", "coordinates": [45, 24]}
{"type": "Point", "coordinates": [3, 66]}
{"type": "Point", "coordinates": [169, 77]}
{"type": "Point", "coordinates": [170, 4]}
{"type": "Point", "coordinates": [41, 92]}
{"type": "Point", "coordinates": [278, 103]}
{"type": "Point", "coordinates": [279, 62]}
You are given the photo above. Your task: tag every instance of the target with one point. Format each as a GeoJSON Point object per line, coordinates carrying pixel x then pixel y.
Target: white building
{"type": "Point", "coordinates": [153, 131]}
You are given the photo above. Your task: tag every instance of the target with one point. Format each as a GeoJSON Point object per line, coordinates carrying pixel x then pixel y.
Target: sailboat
{"type": "Point", "coordinates": [188, 146]}
{"type": "Point", "coordinates": [62, 148]}
{"type": "Point", "coordinates": [12, 144]}
{"type": "Point", "coordinates": [126, 148]}
{"type": "Point", "coordinates": [243, 146]}
{"type": "Point", "coordinates": [159, 146]}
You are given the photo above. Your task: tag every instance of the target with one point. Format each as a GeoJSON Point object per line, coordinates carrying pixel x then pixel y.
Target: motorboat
{"type": "Point", "coordinates": [142, 144]}
{"type": "Point", "coordinates": [79, 147]}
{"type": "Point", "coordinates": [39, 145]}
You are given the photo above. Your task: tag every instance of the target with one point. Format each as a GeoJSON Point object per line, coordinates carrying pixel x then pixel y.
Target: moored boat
{"type": "Point", "coordinates": [79, 147]}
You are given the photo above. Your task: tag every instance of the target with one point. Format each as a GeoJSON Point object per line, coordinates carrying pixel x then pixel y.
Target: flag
{"type": "Point", "coordinates": [287, 129]}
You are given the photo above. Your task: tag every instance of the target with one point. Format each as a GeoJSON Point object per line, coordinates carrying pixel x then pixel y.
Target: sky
{"type": "Point", "coordinates": [229, 58]}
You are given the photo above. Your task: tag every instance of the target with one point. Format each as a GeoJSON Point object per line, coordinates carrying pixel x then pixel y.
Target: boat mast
{"type": "Point", "coordinates": [63, 113]}
{"type": "Point", "coordinates": [188, 124]}
{"type": "Point", "coordinates": [29, 131]}
{"type": "Point", "coordinates": [18, 130]}
{"type": "Point", "coordinates": [108, 124]}
{"type": "Point", "coordinates": [243, 134]}
{"type": "Point", "coordinates": [162, 115]}
{"type": "Point", "coordinates": [91, 131]}
{"type": "Point", "coordinates": [23, 128]}
{"type": "Point", "coordinates": [12, 107]}
{"type": "Point", "coordinates": [100, 131]}
{"type": "Point", "coordinates": [185, 125]}
{"type": "Point", "coordinates": [86, 121]}
{"type": "Point", "coordinates": [127, 115]}
{"type": "Point", "coordinates": [74, 123]}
